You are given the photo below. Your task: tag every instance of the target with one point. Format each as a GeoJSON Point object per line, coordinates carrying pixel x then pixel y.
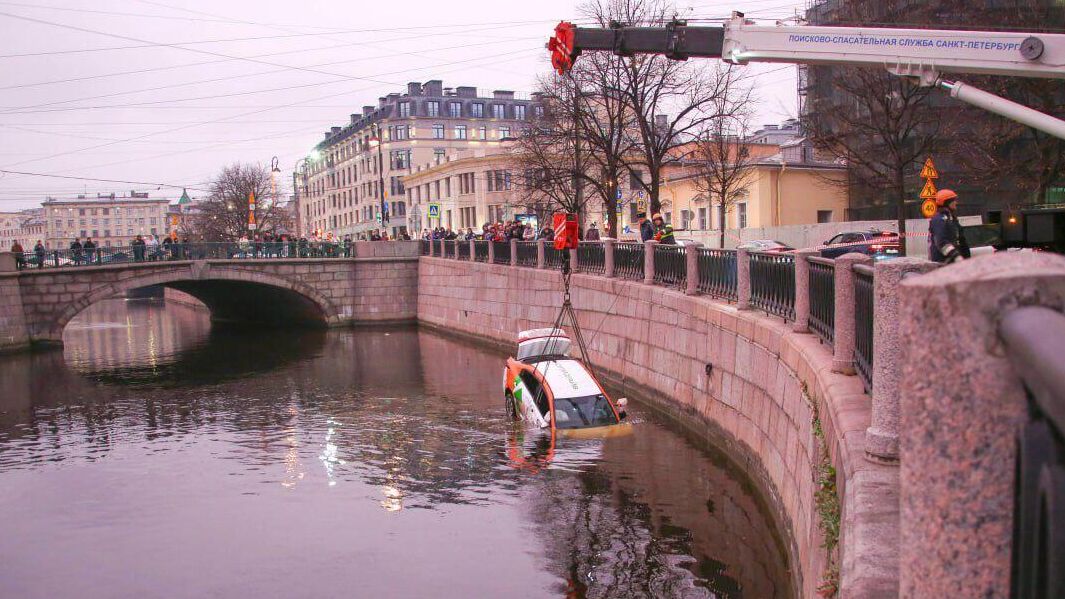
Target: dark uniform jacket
{"type": "Point", "coordinates": [647, 231]}
{"type": "Point", "coordinates": [946, 241]}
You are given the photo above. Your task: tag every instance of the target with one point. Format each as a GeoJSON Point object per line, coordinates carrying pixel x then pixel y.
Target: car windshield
{"type": "Point", "coordinates": [583, 412]}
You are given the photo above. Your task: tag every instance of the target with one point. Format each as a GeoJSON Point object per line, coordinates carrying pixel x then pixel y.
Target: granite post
{"type": "Point", "coordinates": [432, 247]}
{"type": "Point", "coordinates": [802, 290]}
{"type": "Point", "coordinates": [743, 279]}
{"type": "Point", "coordinates": [491, 252]}
{"type": "Point", "coordinates": [691, 264]}
{"type": "Point", "coordinates": [649, 261]}
{"type": "Point", "coordinates": [608, 257]}
{"type": "Point", "coordinates": [843, 337]}
{"type": "Point", "coordinates": [473, 248]}
{"type": "Point", "coordinates": [513, 252]}
{"type": "Point", "coordinates": [962, 405]}
{"type": "Point", "coordinates": [541, 261]}
{"type": "Point", "coordinates": [882, 436]}
{"type": "Point", "coordinates": [573, 266]}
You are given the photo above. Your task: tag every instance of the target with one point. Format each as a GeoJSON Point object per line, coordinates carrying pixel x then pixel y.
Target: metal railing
{"type": "Point", "coordinates": [462, 249]}
{"type": "Point", "coordinates": [823, 298]}
{"type": "Point", "coordinates": [480, 250]}
{"type": "Point", "coordinates": [127, 254]}
{"type": "Point", "coordinates": [553, 258]}
{"type": "Point", "coordinates": [863, 324]}
{"type": "Point", "coordinates": [773, 283]}
{"type": "Point", "coordinates": [527, 253]}
{"type": "Point", "coordinates": [628, 260]}
{"type": "Point", "coordinates": [449, 248]}
{"type": "Point", "coordinates": [591, 257]}
{"type": "Point", "coordinates": [671, 265]}
{"type": "Point", "coordinates": [501, 252]}
{"type": "Point", "coordinates": [1034, 339]}
{"type": "Point", "coordinates": [425, 247]}
{"type": "Point", "coordinates": [717, 273]}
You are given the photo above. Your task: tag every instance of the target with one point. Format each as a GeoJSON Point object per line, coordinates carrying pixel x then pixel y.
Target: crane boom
{"type": "Point", "coordinates": [924, 54]}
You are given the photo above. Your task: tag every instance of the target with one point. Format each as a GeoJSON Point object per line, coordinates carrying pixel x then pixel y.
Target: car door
{"type": "Point", "coordinates": [830, 251]}
{"type": "Point", "coordinates": [533, 397]}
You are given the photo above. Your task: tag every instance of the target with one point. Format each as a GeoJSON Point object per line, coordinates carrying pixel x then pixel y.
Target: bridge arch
{"type": "Point", "coordinates": [231, 294]}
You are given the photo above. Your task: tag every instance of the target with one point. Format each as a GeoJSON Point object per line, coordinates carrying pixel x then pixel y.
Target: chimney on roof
{"type": "Point", "coordinates": [335, 130]}
{"type": "Point", "coordinates": [466, 91]}
{"type": "Point", "coordinates": [367, 111]}
{"type": "Point", "coordinates": [414, 88]}
{"type": "Point", "coordinates": [381, 102]}
{"type": "Point", "coordinates": [502, 94]}
{"type": "Point", "coordinates": [354, 118]}
{"type": "Point", "coordinates": [434, 87]}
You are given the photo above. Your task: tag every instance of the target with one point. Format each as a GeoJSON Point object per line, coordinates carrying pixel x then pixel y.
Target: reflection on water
{"type": "Point", "coordinates": [158, 457]}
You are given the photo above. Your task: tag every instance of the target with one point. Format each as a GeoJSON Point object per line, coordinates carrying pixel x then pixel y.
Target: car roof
{"type": "Point", "coordinates": [568, 378]}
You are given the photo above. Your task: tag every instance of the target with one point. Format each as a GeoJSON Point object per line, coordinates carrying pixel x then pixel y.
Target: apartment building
{"type": "Point", "coordinates": [358, 168]}
{"type": "Point", "coordinates": [110, 220]}
{"type": "Point", "coordinates": [11, 229]}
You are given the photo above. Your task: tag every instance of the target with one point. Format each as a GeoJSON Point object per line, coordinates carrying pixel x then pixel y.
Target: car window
{"type": "Point", "coordinates": [853, 238]}
{"type": "Point", "coordinates": [835, 240]}
{"type": "Point", "coordinates": [536, 390]}
{"type": "Point", "coordinates": [579, 412]}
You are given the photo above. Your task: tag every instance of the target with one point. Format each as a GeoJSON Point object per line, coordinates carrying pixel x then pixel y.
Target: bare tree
{"type": "Point", "coordinates": [671, 101]}
{"type": "Point", "coordinates": [882, 125]}
{"type": "Point", "coordinates": [722, 162]}
{"type": "Point", "coordinates": [223, 216]}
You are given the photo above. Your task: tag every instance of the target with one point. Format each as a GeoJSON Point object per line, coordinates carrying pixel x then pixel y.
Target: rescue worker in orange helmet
{"type": "Point", "coordinates": [946, 240]}
{"type": "Point", "coordinates": [663, 231]}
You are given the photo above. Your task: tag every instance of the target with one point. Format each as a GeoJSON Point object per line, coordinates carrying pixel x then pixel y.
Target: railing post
{"type": "Point", "coordinates": [473, 248]}
{"type": "Point", "coordinates": [457, 242]}
{"type": "Point", "coordinates": [608, 257]}
{"type": "Point", "coordinates": [432, 246]}
{"type": "Point", "coordinates": [691, 264]}
{"type": "Point", "coordinates": [541, 261]}
{"type": "Point", "coordinates": [8, 263]}
{"type": "Point", "coordinates": [513, 252]}
{"type": "Point", "coordinates": [649, 261]}
{"type": "Point", "coordinates": [882, 436]}
{"type": "Point", "coordinates": [743, 279]}
{"type": "Point", "coordinates": [491, 252]}
{"type": "Point", "coordinates": [573, 265]}
{"type": "Point", "coordinates": [802, 290]}
{"type": "Point", "coordinates": [443, 254]}
{"type": "Point", "coordinates": [843, 337]}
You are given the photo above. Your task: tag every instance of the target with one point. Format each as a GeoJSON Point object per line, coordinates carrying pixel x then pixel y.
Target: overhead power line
{"type": "Point", "coordinates": [53, 176]}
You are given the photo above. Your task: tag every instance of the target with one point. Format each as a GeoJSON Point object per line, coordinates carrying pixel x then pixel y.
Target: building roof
{"type": "Point", "coordinates": [184, 199]}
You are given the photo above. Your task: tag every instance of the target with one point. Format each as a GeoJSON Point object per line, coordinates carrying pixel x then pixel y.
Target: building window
{"type": "Point", "coordinates": [460, 132]}
{"type": "Point", "coordinates": [702, 218]}
{"type": "Point", "coordinates": [438, 131]}
{"type": "Point", "coordinates": [454, 109]}
{"type": "Point", "coordinates": [519, 112]}
{"type": "Point", "coordinates": [499, 111]}
{"type": "Point", "coordinates": [438, 155]}
{"type": "Point", "coordinates": [824, 216]}
{"type": "Point", "coordinates": [538, 111]}
{"type": "Point", "coordinates": [477, 110]}
{"type": "Point", "coordinates": [504, 132]}
{"type": "Point", "coordinates": [404, 109]}
{"type": "Point", "coordinates": [400, 132]}
{"type": "Point", "coordinates": [482, 132]}
{"type": "Point", "coordinates": [741, 215]}
{"type": "Point", "coordinates": [432, 108]}
{"type": "Point", "coordinates": [400, 159]}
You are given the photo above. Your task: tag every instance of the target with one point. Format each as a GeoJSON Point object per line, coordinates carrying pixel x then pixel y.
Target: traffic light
{"type": "Point", "coordinates": [561, 46]}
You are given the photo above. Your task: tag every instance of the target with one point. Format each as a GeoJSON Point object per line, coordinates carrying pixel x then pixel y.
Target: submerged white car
{"type": "Point", "coordinates": [545, 387]}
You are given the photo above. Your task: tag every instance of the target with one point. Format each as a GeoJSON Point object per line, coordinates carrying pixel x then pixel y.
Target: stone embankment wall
{"type": "Point", "coordinates": [767, 388]}
{"type": "Point", "coordinates": [13, 333]}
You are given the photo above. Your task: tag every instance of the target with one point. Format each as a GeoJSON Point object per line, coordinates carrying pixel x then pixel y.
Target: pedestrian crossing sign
{"type": "Point", "coordinates": [929, 171]}
{"type": "Point", "coordinates": [434, 210]}
{"type": "Point", "coordinates": [929, 191]}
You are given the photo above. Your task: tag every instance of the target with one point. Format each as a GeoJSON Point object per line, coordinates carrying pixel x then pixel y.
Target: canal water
{"type": "Point", "coordinates": [156, 456]}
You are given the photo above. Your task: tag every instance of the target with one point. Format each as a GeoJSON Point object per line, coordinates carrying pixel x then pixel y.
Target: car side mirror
{"type": "Point", "coordinates": [826, 243]}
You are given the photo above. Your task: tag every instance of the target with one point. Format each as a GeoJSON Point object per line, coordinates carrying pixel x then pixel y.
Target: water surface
{"type": "Point", "coordinates": [157, 456]}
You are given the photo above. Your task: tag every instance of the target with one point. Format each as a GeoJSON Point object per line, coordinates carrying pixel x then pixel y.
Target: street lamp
{"type": "Point", "coordinates": [375, 141]}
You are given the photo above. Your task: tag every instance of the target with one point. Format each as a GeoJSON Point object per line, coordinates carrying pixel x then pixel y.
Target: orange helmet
{"type": "Point", "coordinates": [944, 196]}
{"type": "Point", "coordinates": [657, 217]}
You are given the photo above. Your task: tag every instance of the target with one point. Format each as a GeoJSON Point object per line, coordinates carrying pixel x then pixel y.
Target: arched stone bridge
{"type": "Point", "coordinates": [378, 284]}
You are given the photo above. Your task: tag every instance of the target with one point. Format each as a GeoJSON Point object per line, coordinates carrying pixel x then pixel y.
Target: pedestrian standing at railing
{"type": "Point", "coordinates": [593, 233]}
{"type": "Point", "coordinates": [38, 251]}
{"type": "Point", "coordinates": [137, 245]}
{"type": "Point", "coordinates": [152, 248]}
{"type": "Point", "coordinates": [90, 250]}
{"type": "Point", "coordinates": [663, 231]}
{"type": "Point", "coordinates": [20, 256]}
{"type": "Point", "coordinates": [647, 230]}
{"type": "Point", "coordinates": [75, 251]}
{"type": "Point", "coordinates": [167, 248]}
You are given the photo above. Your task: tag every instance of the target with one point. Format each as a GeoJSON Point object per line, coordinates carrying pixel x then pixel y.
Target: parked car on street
{"type": "Point", "coordinates": [765, 245]}
{"type": "Point", "coordinates": [880, 245]}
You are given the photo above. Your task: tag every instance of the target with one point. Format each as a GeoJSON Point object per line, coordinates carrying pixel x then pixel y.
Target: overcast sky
{"type": "Point", "coordinates": [169, 91]}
